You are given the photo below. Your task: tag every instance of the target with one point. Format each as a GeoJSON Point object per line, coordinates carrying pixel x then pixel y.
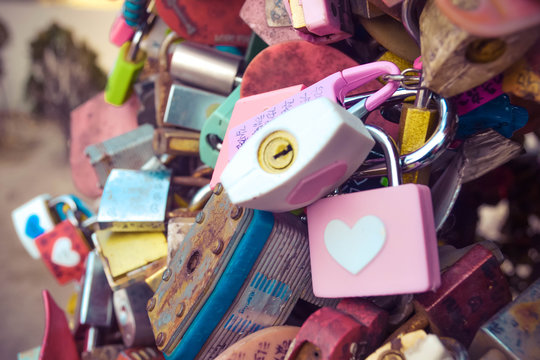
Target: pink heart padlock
{"type": "Point", "coordinates": [375, 242]}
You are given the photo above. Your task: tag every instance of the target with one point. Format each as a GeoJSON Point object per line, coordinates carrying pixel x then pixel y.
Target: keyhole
{"type": "Point", "coordinates": [285, 151]}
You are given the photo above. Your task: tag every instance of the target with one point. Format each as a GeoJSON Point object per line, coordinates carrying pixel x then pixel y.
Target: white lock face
{"type": "Point", "coordinates": [297, 158]}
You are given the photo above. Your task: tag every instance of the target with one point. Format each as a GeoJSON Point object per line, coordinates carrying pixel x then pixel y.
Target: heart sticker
{"type": "Point", "coordinates": [33, 229]}
{"type": "Point", "coordinates": [354, 248]}
{"type": "Point", "coordinates": [63, 254]}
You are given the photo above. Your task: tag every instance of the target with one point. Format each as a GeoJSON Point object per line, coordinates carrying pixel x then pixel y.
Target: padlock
{"type": "Point", "coordinates": [472, 290]}
{"type": "Point", "coordinates": [61, 205]}
{"type": "Point", "coordinates": [130, 150]}
{"type": "Point", "coordinates": [492, 18]}
{"type": "Point", "coordinates": [134, 200]}
{"type": "Point", "coordinates": [390, 34]}
{"type": "Point", "coordinates": [418, 345]}
{"type": "Point", "coordinates": [93, 122]}
{"type": "Point", "coordinates": [189, 107]}
{"type": "Point", "coordinates": [205, 67]}
{"type": "Point", "coordinates": [32, 219]}
{"type": "Point", "coordinates": [498, 114]}
{"type": "Point", "coordinates": [120, 31]}
{"type": "Point", "coordinates": [321, 21]}
{"type": "Point", "coordinates": [353, 330]}
{"type": "Point", "coordinates": [175, 142]}
{"type": "Point", "coordinates": [218, 290]}
{"type": "Point", "coordinates": [214, 129]}
{"type": "Point", "coordinates": [128, 65]}
{"type": "Point", "coordinates": [64, 249]}
{"type": "Point", "coordinates": [416, 125]}
{"type": "Point", "coordinates": [266, 29]}
{"type": "Point", "coordinates": [130, 257]}
{"type": "Point", "coordinates": [290, 163]}
{"type": "Point", "coordinates": [455, 61]}
{"type": "Point", "coordinates": [514, 331]}
{"type": "Point", "coordinates": [353, 237]}
{"type": "Point", "coordinates": [333, 87]}
{"type": "Point", "coordinates": [94, 306]}
{"type": "Point", "coordinates": [212, 22]}
{"type": "Point", "coordinates": [267, 344]}
{"type": "Point", "coordinates": [58, 342]}
{"type": "Point", "coordinates": [243, 110]}
{"type": "Point", "coordinates": [130, 311]}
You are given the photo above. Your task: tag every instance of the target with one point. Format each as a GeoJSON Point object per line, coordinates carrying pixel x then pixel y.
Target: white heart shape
{"type": "Point", "coordinates": [63, 255]}
{"type": "Point", "coordinates": [354, 248]}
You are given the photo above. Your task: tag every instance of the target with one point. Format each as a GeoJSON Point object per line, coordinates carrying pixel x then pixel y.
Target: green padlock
{"type": "Point", "coordinates": [128, 65]}
{"type": "Point", "coordinates": [214, 129]}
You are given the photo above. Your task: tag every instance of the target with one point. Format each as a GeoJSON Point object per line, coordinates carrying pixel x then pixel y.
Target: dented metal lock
{"type": "Point", "coordinates": [130, 257]}
{"type": "Point", "coordinates": [127, 151]}
{"type": "Point", "coordinates": [219, 289]}
{"type": "Point", "coordinates": [134, 200]}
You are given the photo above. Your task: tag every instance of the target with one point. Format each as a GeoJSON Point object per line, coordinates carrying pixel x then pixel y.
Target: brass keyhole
{"type": "Point", "coordinates": [277, 152]}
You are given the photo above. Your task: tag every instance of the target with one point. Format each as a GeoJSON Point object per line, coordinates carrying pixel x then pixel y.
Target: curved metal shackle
{"type": "Point", "coordinates": [432, 149]}
{"type": "Point", "coordinates": [391, 154]}
{"type": "Point", "coordinates": [407, 7]}
{"type": "Point", "coordinates": [68, 200]}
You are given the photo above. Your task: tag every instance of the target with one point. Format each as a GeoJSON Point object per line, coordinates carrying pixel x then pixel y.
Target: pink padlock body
{"type": "Point", "coordinates": [245, 109]}
{"type": "Point", "coordinates": [120, 31]}
{"type": "Point", "coordinates": [319, 18]}
{"type": "Point", "coordinates": [407, 262]}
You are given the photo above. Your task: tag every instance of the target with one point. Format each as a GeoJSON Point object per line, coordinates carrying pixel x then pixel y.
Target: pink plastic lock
{"type": "Point", "coordinates": [478, 96]}
{"type": "Point", "coordinates": [493, 18]}
{"type": "Point", "coordinates": [120, 31]}
{"type": "Point", "coordinates": [333, 87]}
{"type": "Point", "coordinates": [375, 242]}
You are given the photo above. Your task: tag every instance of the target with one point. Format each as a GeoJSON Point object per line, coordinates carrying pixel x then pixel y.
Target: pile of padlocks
{"type": "Point", "coordinates": [273, 176]}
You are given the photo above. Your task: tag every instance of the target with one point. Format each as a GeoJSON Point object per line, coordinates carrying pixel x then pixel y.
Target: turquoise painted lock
{"type": "Point", "coordinates": [238, 270]}
{"type": "Point", "coordinates": [127, 68]}
{"type": "Point", "coordinates": [214, 129]}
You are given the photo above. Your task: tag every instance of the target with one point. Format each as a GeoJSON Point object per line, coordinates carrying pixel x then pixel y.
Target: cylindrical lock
{"type": "Point", "coordinates": [205, 67]}
{"type": "Point", "coordinates": [130, 311]}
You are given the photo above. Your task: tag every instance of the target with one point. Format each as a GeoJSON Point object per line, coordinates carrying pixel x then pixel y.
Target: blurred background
{"type": "Point", "coordinates": [54, 55]}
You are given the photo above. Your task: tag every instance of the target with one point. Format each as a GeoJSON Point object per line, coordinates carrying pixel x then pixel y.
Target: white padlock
{"type": "Point", "coordinates": [297, 158]}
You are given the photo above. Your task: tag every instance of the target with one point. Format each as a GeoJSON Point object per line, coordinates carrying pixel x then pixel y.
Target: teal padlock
{"type": "Point", "coordinates": [214, 129]}
{"type": "Point", "coordinates": [129, 64]}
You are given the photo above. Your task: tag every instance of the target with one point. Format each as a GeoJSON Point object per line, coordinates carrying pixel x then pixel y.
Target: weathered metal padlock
{"type": "Point", "coordinates": [94, 311]}
{"type": "Point", "coordinates": [130, 311]}
{"type": "Point", "coordinates": [514, 331]}
{"type": "Point", "coordinates": [353, 330]}
{"type": "Point", "coordinates": [130, 257]}
{"type": "Point", "coordinates": [297, 158]}
{"type": "Point", "coordinates": [355, 238]}
{"type": "Point", "coordinates": [134, 200]}
{"type": "Point", "coordinates": [127, 151]}
{"type": "Point", "coordinates": [472, 290]}
{"type": "Point", "coordinates": [220, 289]}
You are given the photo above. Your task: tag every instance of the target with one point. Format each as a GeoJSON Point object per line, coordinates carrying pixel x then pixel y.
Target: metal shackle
{"type": "Point", "coordinates": [429, 152]}
{"type": "Point", "coordinates": [391, 154]}
{"type": "Point", "coordinates": [70, 213]}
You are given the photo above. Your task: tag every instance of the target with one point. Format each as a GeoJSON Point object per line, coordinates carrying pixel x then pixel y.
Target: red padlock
{"type": "Point", "coordinates": [353, 330]}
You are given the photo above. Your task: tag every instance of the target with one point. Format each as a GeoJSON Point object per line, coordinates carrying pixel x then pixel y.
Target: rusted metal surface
{"type": "Point", "coordinates": [196, 269]}
{"type": "Point", "coordinates": [471, 291]}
